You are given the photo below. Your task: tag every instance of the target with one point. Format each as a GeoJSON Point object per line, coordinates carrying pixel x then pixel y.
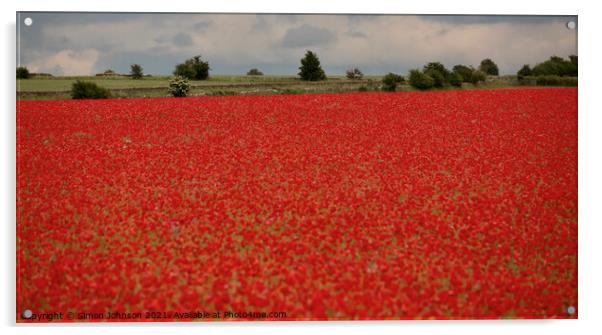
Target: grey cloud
{"type": "Point", "coordinates": [307, 36]}
{"type": "Point", "coordinates": [202, 25]}
{"type": "Point", "coordinates": [357, 34]}
{"type": "Point", "coordinates": [182, 40]}
{"type": "Point", "coordinates": [83, 43]}
{"type": "Point", "coordinates": [490, 19]}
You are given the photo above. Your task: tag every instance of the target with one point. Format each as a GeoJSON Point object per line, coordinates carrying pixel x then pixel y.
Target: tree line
{"type": "Point", "coordinates": [431, 75]}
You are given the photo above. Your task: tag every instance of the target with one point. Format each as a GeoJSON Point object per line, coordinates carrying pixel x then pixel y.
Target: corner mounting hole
{"type": "Point", "coordinates": [27, 314]}
{"type": "Point", "coordinates": [571, 25]}
{"type": "Point", "coordinates": [570, 310]}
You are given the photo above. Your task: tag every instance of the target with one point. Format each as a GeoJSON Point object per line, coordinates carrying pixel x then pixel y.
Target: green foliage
{"type": "Point", "coordinates": [88, 90]}
{"type": "Point", "coordinates": [455, 79]}
{"type": "Point", "coordinates": [438, 67]}
{"type": "Point", "coordinates": [420, 80]}
{"type": "Point", "coordinates": [136, 71]}
{"type": "Point", "coordinates": [465, 72]}
{"type": "Point", "coordinates": [552, 80]}
{"type": "Point", "coordinates": [489, 67]}
{"type": "Point", "coordinates": [557, 66]}
{"type": "Point", "coordinates": [22, 72]}
{"type": "Point", "coordinates": [254, 72]}
{"type": "Point", "coordinates": [438, 78]}
{"type": "Point", "coordinates": [390, 81]}
{"type": "Point", "coordinates": [354, 73]}
{"type": "Point", "coordinates": [362, 89]}
{"type": "Point", "coordinates": [525, 71]}
{"type": "Point", "coordinates": [179, 86]}
{"type": "Point", "coordinates": [477, 77]}
{"type": "Point", "coordinates": [194, 69]}
{"type": "Point", "coordinates": [310, 68]}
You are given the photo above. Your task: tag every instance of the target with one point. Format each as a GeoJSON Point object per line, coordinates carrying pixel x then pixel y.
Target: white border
{"type": "Point", "coordinates": [590, 139]}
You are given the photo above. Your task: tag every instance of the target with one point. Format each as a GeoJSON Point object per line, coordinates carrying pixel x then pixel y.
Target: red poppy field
{"type": "Point", "coordinates": [455, 204]}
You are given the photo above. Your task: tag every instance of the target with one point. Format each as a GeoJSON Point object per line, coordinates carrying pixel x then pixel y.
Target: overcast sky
{"type": "Point", "coordinates": [88, 43]}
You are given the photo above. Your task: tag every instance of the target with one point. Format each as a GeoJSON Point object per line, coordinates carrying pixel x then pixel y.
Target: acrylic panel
{"type": "Point", "coordinates": [271, 167]}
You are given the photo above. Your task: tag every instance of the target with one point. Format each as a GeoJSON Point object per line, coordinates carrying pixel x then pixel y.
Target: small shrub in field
{"type": "Point", "coordinates": [420, 80]}
{"type": "Point", "coordinates": [136, 71]}
{"type": "Point", "coordinates": [254, 72]}
{"type": "Point", "coordinates": [390, 81]}
{"type": "Point", "coordinates": [455, 79]}
{"type": "Point", "coordinates": [88, 90]}
{"type": "Point", "coordinates": [179, 86]}
{"type": "Point", "coordinates": [362, 89]}
{"type": "Point", "coordinates": [22, 72]}
{"type": "Point", "coordinates": [354, 73]}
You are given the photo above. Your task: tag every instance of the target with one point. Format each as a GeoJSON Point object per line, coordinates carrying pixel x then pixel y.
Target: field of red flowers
{"type": "Point", "coordinates": [456, 204]}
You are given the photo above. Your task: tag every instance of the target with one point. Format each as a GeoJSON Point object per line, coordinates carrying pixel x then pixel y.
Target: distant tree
{"type": "Point", "coordinates": [310, 68]}
{"type": "Point", "coordinates": [438, 78]}
{"type": "Point", "coordinates": [136, 71]}
{"type": "Point", "coordinates": [22, 72]}
{"type": "Point", "coordinates": [524, 71]}
{"type": "Point", "coordinates": [455, 79]}
{"type": "Point", "coordinates": [464, 71]}
{"type": "Point", "coordinates": [354, 73]}
{"type": "Point", "coordinates": [185, 71]}
{"type": "Point", "coordinates": [477, 77]}
{"type": "Point", "coordinates": [436, 66]}
{"type": "Point", "coordinates": [194, 68]}
{"type": "Point", "coordinates": [254, 72]}
{"type": "Point", "coordinates": [557, 66]}
{"type": "Point", "coordinates": [420, 80]}
{"type": "Point", "coordinates": [489, 67]}
{"type": "Point", "coordinates": [390, 81]}
{"type": "Point", "coordinates": [573, 59]}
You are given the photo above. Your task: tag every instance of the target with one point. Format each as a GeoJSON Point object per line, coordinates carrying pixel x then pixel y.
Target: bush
{"type": "Point", "coordinates": [88, 90]}
{"type": "Point", "coordinates": [477, 76]}
{"type": "Point", "coordinates": [194, 69]}
{"type": "Point", "coordinates": [22, 72]}
{"type": "Point", "coordinates": [354, 73]}
{"type": "Point", "coordinates": [362, 89]}
{"type": "Point", "coordinates": [136, 71]}
{"type": "Point", "coordinates": [437, 66]}
{"type": "Point", "coordinates": [390, 81]}
{"type": "Point", "coordinates": [310, 68]}
{"type": "Point", "coordinates": [254, 72]}
{"type": "Point", "coordinates": [489, 67]}
{"type": "Point", "coordinates": [555, 81]}
{"type": "Point", "coordinates": [179, 86]}
{"type": "Point", "coordinates": [420, 80]}
{"type": "Point", "coordinates": [455, 79]}
{"type": "Point", "coordinates": [557, 66]}
{"type": "Point", "coordinates": [438, 78]}
{"type": "Point", "coordinates": [464, 71]}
